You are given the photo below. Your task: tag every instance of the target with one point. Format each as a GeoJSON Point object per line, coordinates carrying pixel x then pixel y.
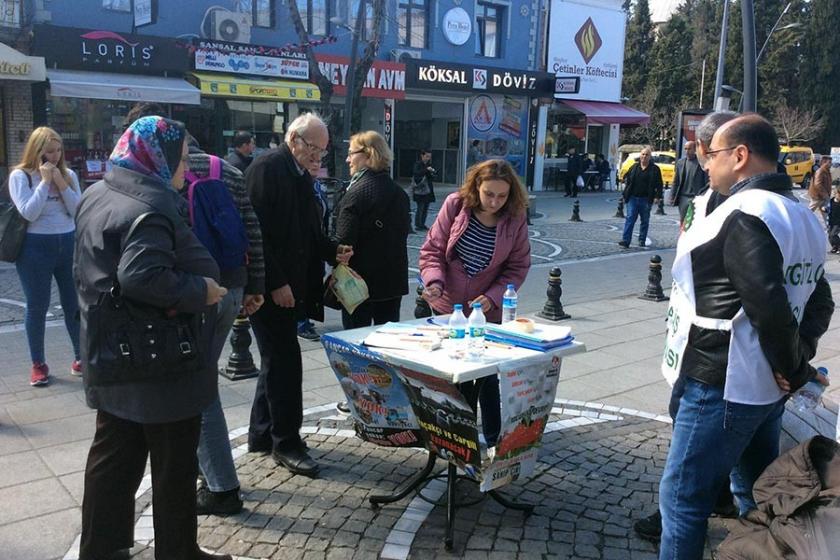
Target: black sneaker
{"type": "Point", "coordinates": [649, 528]}
{"type": "Point", "coordinates": [217, 503]}
{"type": "Point", "coordinates": [624, 244]}
{"type": "Point", "coordinates": [309, 334]}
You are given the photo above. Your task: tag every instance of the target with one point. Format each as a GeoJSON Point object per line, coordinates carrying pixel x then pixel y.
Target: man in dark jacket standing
{"type": "Point", "coordinates": [643, 188]}
{"type": "Point", "coordinates": [243, 148]}
{"type": "Point", "coordinates": [294, 247]}
{"type": "Point", "coordinates": [574, 168]}
{"type": "Point", "coordinates": [748, 305]}
{"type": "Point", "coordinates": [423, 171]}
{"type": "Point", "coordinates": [689, 180]}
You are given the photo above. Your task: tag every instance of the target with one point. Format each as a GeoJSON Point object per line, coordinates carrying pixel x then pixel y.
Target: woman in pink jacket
{"type": "Point", "coordinates": [476, 247]}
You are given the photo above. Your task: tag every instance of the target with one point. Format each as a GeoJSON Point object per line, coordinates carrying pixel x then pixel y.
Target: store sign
{"type": "Point", "coordinates": [388, 121]}
{"type": "Point", "coordinates": [460, 77]}
{"type": "Point", "coordinates": [254, 89]}
{"type": "Point", "coordinates": [254, 65]}
{"type": "Point", "coordinates": [500, 124]}
{"type": "Point", "coordinates": [587, 41]}
{"type": "Point", "coordinates": [384, 79]}
{"type": "Point", "coordinates": [566, 85]}
{"type": "Point", "coordinates": [457, 26]}
{"type": "Point", "coordinates": [533, 125]}
{"type": "Point", "coordinates": [15, 65]}
{"type": "Point", "coordinates": [109, 51]}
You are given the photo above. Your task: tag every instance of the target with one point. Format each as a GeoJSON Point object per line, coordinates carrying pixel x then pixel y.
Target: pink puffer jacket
{"type": "Point", "coordinates": [439, 262]}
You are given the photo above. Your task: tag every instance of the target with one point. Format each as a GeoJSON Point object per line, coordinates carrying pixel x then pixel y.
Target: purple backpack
{"type": "Point", "coordinates": [215, 218]}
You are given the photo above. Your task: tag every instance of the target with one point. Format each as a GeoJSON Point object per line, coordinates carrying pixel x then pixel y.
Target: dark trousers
{"type": "Point", "coordinates": [571, 184]}
{"type": "Point", "coordinates": [277, 412]}
{"type": "Point", "coordinates": [683, 201]}
{"type": "Point", "coordinates": [372, 313]}
{"type": "Point", "coordinates": [115, 466]}
{"type": "Point", "coordinates": [834, 236]}
{"type": "Point", "coordinates": [421, 214]}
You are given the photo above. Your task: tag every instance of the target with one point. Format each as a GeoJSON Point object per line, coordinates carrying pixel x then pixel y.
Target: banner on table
{"type": "Point", "coordinates": [527, 396]}
{"type": "Point", "coordinates": [376, 395]}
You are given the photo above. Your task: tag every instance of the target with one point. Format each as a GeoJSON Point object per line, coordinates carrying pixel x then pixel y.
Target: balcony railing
{"type": "Point", "coordinates": [10, 13]}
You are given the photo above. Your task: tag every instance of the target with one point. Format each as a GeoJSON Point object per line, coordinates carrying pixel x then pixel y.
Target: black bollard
{"type": "Point", "coordinates": [553, 308]}
{"type": "Point", "coordinates": [619, 212]}
{"type": "Point", "coordinates": [660, 208]}
{"type": "Point", "coordinates": [653, 292]}
{"type": "Point", "coordinates": [422, 308]}
{"type": "Point", "coordinates": [575, 212]}
{"type": "Point", "coordinates": [240, 363]}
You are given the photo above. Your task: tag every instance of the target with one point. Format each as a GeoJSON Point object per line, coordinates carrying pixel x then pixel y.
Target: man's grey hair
{"type": "Point", "coordinates": [304, 123]}
{"type": "Point", "coordinates": [709, 125]}
{"type": "Point", "coordinates": [647, 149]}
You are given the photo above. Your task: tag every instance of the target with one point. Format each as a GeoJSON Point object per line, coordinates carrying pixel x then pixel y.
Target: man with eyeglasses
{"type": "Point", "coordinates": [295, 247]}
{"type": "Point", "coordinates": [748, 304]}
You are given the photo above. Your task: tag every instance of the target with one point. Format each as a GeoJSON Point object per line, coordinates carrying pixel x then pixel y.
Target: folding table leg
{"type": "Point", "coordinates": [409, 487]}
{"type": "Point", "coordinates": [451, 480]}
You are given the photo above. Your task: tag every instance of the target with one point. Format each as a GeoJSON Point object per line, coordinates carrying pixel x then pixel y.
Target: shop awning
{"type": "Point", "coordinates": [599, 112]}
{"type": "Point", "coordinates": [219, 85]}
{"type": "Point", "coordinates": [123, 87]}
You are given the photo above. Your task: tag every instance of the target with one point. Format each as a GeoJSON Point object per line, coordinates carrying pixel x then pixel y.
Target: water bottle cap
{"type": "Point", "coordinates": [823, 370]}
{"type": "Point", "coordinates": [476, 305]}
{"type": "Point", "coordinates": [458, 307]}
{"type": "Point", "coordinates": [510, 287]}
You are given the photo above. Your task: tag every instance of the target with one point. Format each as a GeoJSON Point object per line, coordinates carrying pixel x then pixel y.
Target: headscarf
{"type": "Point", "coordinates": [152, 146]}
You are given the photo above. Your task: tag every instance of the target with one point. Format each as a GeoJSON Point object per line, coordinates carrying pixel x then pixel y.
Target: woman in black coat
{"type": "Point", "coordinates": [422, 172]}
{"type": "Point", "coordinates": [373, 217]}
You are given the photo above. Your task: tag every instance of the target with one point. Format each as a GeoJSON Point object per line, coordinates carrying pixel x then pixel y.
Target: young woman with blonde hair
{"type": "Point", "coordinates": [46, 193]}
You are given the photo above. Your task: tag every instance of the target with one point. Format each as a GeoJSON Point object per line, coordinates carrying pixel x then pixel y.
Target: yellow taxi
{"type": "Point", "coordinates": [798, 162]}
{"type": "Point", "coordinates": [666, 161]}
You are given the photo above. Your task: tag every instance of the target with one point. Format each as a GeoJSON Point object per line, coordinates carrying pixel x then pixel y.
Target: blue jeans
{"type": "Point", "coordinates": [42, 257]}
{"type": "Point", "coordinates": [711, 438]}
{"type": "Point", "coordinates": [214, 454]}
{"type": "Point", "coordinates": [637, 207]}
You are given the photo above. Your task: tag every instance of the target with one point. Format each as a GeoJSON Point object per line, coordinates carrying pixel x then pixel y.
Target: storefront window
{"type": "Point", "coordinates": [411, 23]}
{"type": "Point", "coordinates": [565, 130]}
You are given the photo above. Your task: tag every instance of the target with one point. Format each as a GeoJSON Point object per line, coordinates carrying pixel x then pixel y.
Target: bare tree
{"type": "Point", "coordinates": [797, 124]}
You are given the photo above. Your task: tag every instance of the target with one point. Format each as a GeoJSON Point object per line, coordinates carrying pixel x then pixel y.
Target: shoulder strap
{"type": "Point", "coordinates": [215, 168]}
{"type": "Point", "coordinates": [115, 284]}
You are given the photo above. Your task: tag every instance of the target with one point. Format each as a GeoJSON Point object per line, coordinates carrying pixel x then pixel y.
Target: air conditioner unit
{"type": "Point", "coordinates": [231, 26]}
{"type": "Point", "coordinates": [401, 55]}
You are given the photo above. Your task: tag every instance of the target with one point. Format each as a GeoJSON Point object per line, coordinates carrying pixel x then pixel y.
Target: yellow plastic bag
{"type": "Point", "coordinates": [349, 287]}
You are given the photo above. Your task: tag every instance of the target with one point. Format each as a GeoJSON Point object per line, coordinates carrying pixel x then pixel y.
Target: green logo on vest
{"type": "Point", "coordinates": [689, 216]}
{"type": "Point", "coordinates": [803, 273]}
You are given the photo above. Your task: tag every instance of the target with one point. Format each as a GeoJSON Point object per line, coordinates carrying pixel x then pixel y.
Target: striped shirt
{"type": "Point", "coordinates": [475, 247]}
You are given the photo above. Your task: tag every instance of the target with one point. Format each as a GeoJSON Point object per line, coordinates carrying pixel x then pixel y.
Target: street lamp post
{"type": "Point", "coordinates": [750, 81]}
{"type": "Point", "coordinates": [724, 32]}
{"type": "Point", "coordinates": [782, 28]}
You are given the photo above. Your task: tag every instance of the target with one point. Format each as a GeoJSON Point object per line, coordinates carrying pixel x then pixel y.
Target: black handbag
{"type": "Point", "coordinates": [127, 341]}
{"type": "Point", "coordinates": [12, 225]}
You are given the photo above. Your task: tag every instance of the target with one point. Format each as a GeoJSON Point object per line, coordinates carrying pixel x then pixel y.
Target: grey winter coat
{"type": "Point", "coordinates": [152, 270]}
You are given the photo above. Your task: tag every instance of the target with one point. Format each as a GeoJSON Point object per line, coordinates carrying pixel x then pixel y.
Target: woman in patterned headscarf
{"type": "Point", "coordinates": [158, 264]}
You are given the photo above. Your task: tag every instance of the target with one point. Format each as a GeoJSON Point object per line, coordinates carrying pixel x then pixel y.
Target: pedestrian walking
{"type": "Point", "coordinates": [422, 188]}
{"type": "Point", "coordinates": [133, 241]}
{"type": "Point", "coordinates": [243, 150]}
{"type": "Point", "coordinates": [373, 218]}
{"type": "Point", "coordinates": [643, 188]}
{"type": "Point", "coordinates": [295, 248]}
{"type": "Point", "coordinates": [476, 247]}
{"type": "Point", "coordinates": [689, 180]}
{"type": "Point", "coordinates": [47, 194]}
{"type": "Point", "coordinates": [834, 221]}
{"type": "Point", "coordinates": [819, 190]}
{"type": "Point", "coordinates": [741, 330]}
{"type": "Point", "coordinates": [574, 169]}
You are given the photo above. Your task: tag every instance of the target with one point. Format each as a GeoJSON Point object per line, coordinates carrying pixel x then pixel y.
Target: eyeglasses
{"type": "Point", "coordinates": [312, 147]}
{"type": "Point", "coordinates": [710, 154]}
{"type": "Point", "coordinates": [354, 152]}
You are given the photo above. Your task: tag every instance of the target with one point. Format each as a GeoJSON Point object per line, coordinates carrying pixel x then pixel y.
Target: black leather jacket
{"type": "Point", "coordinates": [742, 266]}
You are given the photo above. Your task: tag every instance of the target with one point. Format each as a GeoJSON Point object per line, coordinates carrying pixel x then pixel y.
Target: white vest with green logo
{"type": "Point", "coordinates": [803, 244]}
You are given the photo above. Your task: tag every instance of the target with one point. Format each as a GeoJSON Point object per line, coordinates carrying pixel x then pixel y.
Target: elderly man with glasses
{"type": "Point", "coordinates": [295, 247]}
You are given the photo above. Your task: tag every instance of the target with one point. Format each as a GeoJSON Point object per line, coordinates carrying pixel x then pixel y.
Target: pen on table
{"type": "Point", "coordinates": [497, 344]}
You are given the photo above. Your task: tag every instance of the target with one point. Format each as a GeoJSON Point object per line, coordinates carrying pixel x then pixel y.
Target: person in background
{"type": "Point", "coordinates": [476, 247]}
{"type": "Point", "coordinates": [602, 166]}
{"type": "Point", "coordinates": [373, 218]}
{"type": "Point", "coordinates": [295, 248]}
{"type": "Point", "coordinates": [143, 109]}
{"type": "Point", "coordinates": [46, 193]}
{"type": "Point", "coordinates": [243, 148]}
{"type": "Point", "coordinates": [161, 265]}
{"type": "Point", "coordinates": [274, 141]}
{"type": "Point", "coordinates": [820, 189]}
{"type": "Point", "coordinates": [423, 170]}
{"type": "Point", "coordinates": [574, 168]}
{"type": "Point", "coordinates": [474, 154]}
{"type": "Point", "coordinates": [834, 221]}
{"type": "Point", "coordinates": [643, 188]}
{"type": "Point", "coordinates": [689, 180]}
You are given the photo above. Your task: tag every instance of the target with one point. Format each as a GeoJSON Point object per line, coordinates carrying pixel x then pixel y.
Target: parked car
{"type": "Point", "coordinates": [665, 160]}
{"type": "Point", "coordinates": [799, 163]}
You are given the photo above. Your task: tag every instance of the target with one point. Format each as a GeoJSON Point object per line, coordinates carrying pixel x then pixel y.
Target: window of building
{"type": "Point", "coordinates": [346, 10]}
{"type": "Point", "coordinates": [10, 13]}
{"type": "Point", "coordinates": [116, 5]}
{"type": "Point", "coordinates": [262, 11]}
{"type": "Point", "coordinates": [314, 15]}
{"type": "Point", "coordinates": [412, 23]}
{"type": "Point", "coordinates": [489, 22]}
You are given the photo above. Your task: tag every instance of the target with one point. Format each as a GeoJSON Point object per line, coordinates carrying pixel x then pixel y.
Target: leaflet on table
{"type": "Point", "coordinates": [527, 395]}
{"type": "Point", "coordinates": [375, 393]}
{"type": "Point", "coordinates": [447, 422]}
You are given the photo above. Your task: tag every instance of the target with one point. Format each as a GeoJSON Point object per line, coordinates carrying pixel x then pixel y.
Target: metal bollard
{"type": "Point", "coordinates": [422, 308]}
{"type": "Point", "coordinates": [654, 292]}
{"type": "Point", "coordinates": [619, 212]}
{"type": "Point", "coordinates": [553, 308]}
{"type": "Point", "coordinates": [660, 208]}
{"type": "Point", "coordinates": [240, 363]}
{"type": "Point", "coordinates": [575, 212]}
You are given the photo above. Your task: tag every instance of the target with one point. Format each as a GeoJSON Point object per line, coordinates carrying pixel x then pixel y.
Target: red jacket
{"type": "Point", "coordinates": [439, 262]}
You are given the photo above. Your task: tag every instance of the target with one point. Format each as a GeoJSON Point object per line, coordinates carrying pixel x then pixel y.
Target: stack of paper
{"type": "Point", "coordinates": [544, 337]}
{"type": "Point", "coordinates": [405, 337]}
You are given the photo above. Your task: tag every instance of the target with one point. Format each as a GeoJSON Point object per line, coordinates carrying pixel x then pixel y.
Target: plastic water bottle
{"type": "Point", "coordinates": [476, 326]}
{"type": "Point", "coordinates": [509, 300]}
{"type": "Point", "coordinates": [458, 331]}
{"type": "Point", "coordinates": [808, 396]}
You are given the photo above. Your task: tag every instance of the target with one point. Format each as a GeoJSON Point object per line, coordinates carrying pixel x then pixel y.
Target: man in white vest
{"type": "Point", "coordinates": [748, 304]}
